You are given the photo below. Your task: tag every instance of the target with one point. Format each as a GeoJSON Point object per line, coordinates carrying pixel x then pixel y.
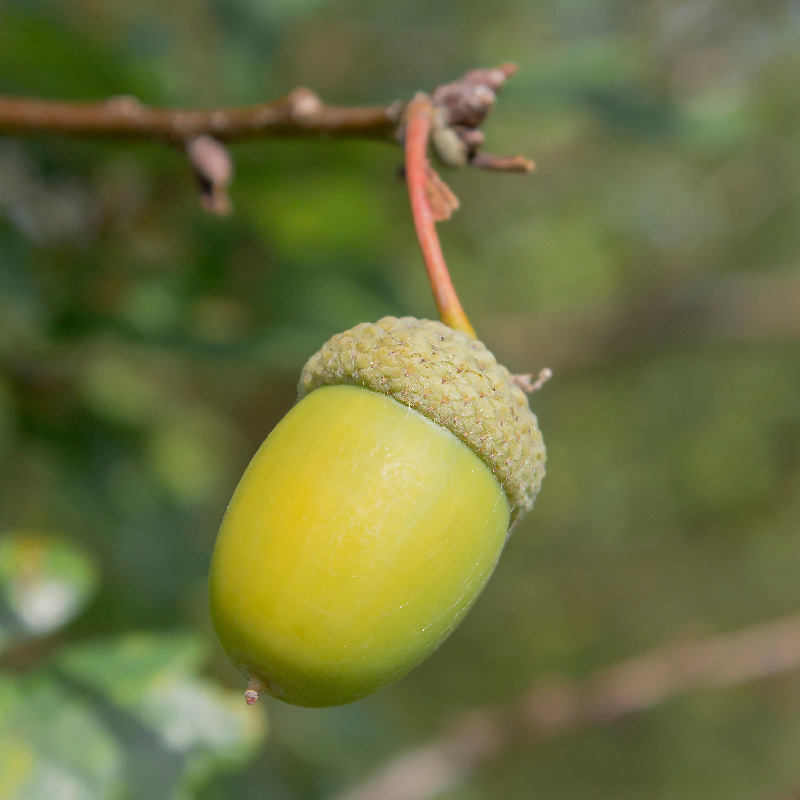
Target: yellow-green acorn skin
{"type": "Point", "coordinates": [362, 530]}
{"type": "Point", "coordinates": [356, 540]}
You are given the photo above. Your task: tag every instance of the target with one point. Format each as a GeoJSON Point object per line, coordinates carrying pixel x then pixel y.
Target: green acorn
{"type": "Point", "coordinates": [372, 516]}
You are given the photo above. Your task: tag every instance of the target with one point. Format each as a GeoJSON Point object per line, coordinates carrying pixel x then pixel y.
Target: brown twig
{"type": "Point", "coordinates": [545, 712]}
{"type": "Point", "coordinates": [450, 121]}
{"type": "Point", "coordinates": [300, 113]}
{"type": "Point", "coordinates": [460, 107]}
{"type": "Point", "coordinates": [202, 132]}
{"type": "Point", "coordinates": [501, 163]}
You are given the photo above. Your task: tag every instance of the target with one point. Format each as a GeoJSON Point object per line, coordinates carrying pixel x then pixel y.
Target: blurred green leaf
{"type": "Point", "coordinates": [52, 745]}
{"type": "Point", "coordinates": [145, 686]}
{"type": "Point", "coordinates": [126, 712]}
{"type": "Point", "coordinates": [44, 583]}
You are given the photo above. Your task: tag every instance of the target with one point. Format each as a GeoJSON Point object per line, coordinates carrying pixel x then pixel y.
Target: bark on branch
{"type": "Point", "coordinates": [459, 109]}
{"type": "Point", "coordinates": [299, 114]}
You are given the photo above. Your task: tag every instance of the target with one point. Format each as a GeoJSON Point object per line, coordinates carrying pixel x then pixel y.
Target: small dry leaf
{"type": "Point", "coordinates": [440, 197]}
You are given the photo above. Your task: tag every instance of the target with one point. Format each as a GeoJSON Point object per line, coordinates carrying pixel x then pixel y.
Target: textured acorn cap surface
{"type": "Point", "coordinates": [451, 379]}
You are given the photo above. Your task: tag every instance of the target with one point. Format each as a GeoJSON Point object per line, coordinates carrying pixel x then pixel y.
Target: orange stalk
{"type": "Point", "coordinates": [418, 126]}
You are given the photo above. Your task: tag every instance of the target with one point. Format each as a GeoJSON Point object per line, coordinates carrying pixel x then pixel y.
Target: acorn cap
{"type": "Point", "coordinates": [451, 379]}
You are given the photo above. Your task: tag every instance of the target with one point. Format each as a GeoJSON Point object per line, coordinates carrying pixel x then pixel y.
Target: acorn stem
{"type": "Point", "coordinates": [418, 116]}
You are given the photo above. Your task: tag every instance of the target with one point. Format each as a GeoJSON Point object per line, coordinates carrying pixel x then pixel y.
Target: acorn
{"type": "Point", "coordinates": [372, 516]}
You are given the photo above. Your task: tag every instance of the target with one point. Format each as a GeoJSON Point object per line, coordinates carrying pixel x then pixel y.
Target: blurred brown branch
{"type": "Point", "coordinates": [460, 108]}
{"type": "Point", "coordinates": [300, 113]}
{"type": "Point", "coordinates": [545, 712]}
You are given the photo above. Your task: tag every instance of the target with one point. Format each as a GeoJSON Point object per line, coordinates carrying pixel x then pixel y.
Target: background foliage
{"type": "Point", "coordinates": [146, 349]}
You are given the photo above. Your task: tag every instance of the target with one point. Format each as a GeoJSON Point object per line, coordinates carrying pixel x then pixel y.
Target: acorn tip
{"type": "Point", "coordinates": [250, 697]}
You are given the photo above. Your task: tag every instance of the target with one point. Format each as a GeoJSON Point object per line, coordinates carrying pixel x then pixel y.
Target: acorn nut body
{"type": "Point", "coordinates": [374, 513]}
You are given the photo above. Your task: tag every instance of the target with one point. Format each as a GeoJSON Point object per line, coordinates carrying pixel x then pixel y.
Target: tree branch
{"type": "Point", "coordinates": [546, 712]}
{"type": "Point", "coordinates": [458, 110]}
{"type": "Point", "coordinates": [299, 114]}
{"type": "Point", "coordinates": [461, 108]}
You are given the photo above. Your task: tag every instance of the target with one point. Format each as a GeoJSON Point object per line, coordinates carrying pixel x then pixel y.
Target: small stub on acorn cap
{"type": "Point", "coordinates": [452, 380]}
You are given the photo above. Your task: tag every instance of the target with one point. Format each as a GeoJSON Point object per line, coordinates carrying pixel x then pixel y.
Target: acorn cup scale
{"type": "Point", "coordinates": [372, 516]}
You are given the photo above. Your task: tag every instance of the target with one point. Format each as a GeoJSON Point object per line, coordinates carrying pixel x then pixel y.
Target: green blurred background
{"type": "Point", "coordinates": [146, 349]}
